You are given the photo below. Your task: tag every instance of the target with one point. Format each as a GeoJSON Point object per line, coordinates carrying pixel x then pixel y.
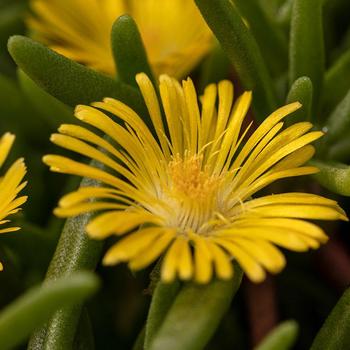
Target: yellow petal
{"type": "Point", "coordinates": [149, 255]}
{"type": "Point", "coordinates": [117, 222]}
{"type": "Point", "coordinates": [130, 246]}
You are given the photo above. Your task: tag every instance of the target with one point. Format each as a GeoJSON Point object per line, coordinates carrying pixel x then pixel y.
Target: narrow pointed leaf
{"type": "Point", "coordinates": [339, 151]}
{"type": "Point", "coordinates": [195, 314]}
{"type": "Point", "coordinates": [306, 51]}
{"type": "Point", "coordinates": [243, 51]}
{"type": "Point", "coordinates": [216, 67]}
{"type": "Point", "coordinates": [335, 332]}
{"type": "Point", "coordinates": [75, 251]}
{"type": "Point", "coordinates": [301, 91]}
{"type": "Point", "coordinates": [51, 110]}
{"type": "Point", "coordinates": [162, 299]}
{"type": "Point", "coordinates": [66, 80]}
{"type": "Point", "coordinates": [338, 124]}
{"type": "Point", "coordinates": [282, 337]}
{"type": "Point", "coordinates": [32, 309]}
{"type": "Point", "coordinates": [336, 85]}
{"type": "Point", "coordinates": [128, 50]}
{"type": "Point", "coordinates": [271, 42]}
{"type": "Point", "coordinates": [333, 176]}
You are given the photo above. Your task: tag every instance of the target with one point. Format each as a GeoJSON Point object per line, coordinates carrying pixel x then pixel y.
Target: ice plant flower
{"type": "Point", "coordinates": [10, 185]}
{"type": "Point", "coordinates": [185, 190]}
{"type": "Point", "coordinates": [174, 33]}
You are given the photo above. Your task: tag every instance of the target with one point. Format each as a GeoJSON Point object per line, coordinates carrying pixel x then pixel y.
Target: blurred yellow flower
{"type": "Point", "coordinates": [175, 35]}
{"type": "Point", "coordinates": [187, 194]}
{"type": "Point", "coordinates": [10, 185]}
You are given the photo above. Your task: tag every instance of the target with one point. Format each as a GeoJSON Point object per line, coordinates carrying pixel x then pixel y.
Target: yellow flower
{"type": "Point", "coordinates": [10, 185]}
{"type": "Point", "coordinates": [187, 194]}
{"type": "Point", "coordinates": [175, 35]}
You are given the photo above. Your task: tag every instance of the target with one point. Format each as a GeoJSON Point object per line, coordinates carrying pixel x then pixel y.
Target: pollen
{"type": "Point", "coordinates": [189, 179]}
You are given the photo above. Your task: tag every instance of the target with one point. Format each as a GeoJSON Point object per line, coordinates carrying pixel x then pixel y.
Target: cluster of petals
{"type": "Point", "coordinates": [184, 186]}
{"type": "Point", "coordinates": [10, 185]}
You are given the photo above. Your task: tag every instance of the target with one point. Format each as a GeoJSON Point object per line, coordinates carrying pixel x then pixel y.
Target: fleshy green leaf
{"type": "Point", "coordinates": [338, 124]}
{"type": "Point", "coordinates": [162, 299]}
{"type": "Point", "coordinates": [195, 314]}
{"type": "Point", "coordinates": [306, 51]}
{"type": "Point", "coordinates": [282, 337]}
{"type": "Point", "coordinates": [75, 251]}
{"type": "Point", "coordinates": [301, 91]}
{"type": "Point", "coordinates": [271, 42]}
{"type": "Point", "coordinates": [216, 67]}
{"type": "Point", "coordinates": [335, 332]}
{"type": "Point", "coordinates": [66, 80]}
{"type": "Point", "coordinates": [339, 151]}
{"type": "Point", "coordinates": [53, 111]}
{"type": "Point", "coordinates": [32, 309]}
{"type": "Point", "coordinates": [243, 51]}
{"type": "Point", "coordinates": [128, 50]}
{"type": "Point", "coordinates": [336, 84]}
{"type": "Point", "coordinates": [334, 176]}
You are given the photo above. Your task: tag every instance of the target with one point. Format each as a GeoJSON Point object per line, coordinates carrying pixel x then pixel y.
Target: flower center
{"type": "Point", "coordinates": [190, 181]}
{"type": "Point", "coordinates": [192, 194]}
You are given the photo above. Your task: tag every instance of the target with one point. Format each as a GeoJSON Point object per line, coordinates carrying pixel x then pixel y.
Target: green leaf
{"type": "Point", "coordinates": [335, 332]}
{"type": "Point", "coordinates": [32, 309]}
{"type": "Point", "coordinates": [75, 251]}
{"type": "Point", "coordinates": [282, 337]}
{"type": "Point", "coordinates": [243, 51]}
{"type": "Point", "coordinates": [271, 42]}
{"type": "Point", "coordinates": [333, 176]}
{"type": "Point", "coordinates": [84, 339]}
{"type": "Point", "coordinates": [284, 14]}
{"type": "Point", "coordinates": [216, 67]}
{"type": "Point", "coordinates": [11, 22]}
{"type": "Point", "coordinates": [306, 50]}
{"type": "Point", "coordinates": [195, 314]}
{"type": "Point", "coordinates": [301, 91]}
{"type": "Point", "coordinates": [338, 123]}
{"type": "Point", "coordinates": [66, 80]}
{"type": "Point", "coordinates": [140, 340]}
{"type": "Point", "coordinates": [162, 299]}
{"type": "Point", "coordinates": [51, 110]}
{"type": "Point", "coordinates": [128, 50]}
{"type": "Point", "coordinates": [339, 151]}
{"type": "Point", "coordinates": [336, 83]}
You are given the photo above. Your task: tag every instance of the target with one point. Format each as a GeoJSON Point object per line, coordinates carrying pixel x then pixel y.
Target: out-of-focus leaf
{"type": "Point", "coordinates": [67, 80]}
{"type": "Point", "coordinates": [284, 13]}
{"type": "Point", "coordinates": [338, 123]}
{"type": "Point", "coordinates": [84, 339]}
{"type": "Point", "coordinates": [339, 151]}
{"type": "Point", "coordinates": [128, 50]}
{"type": "Point", "coordinates": [337, 82]}
{"type": "Point", "coordinates": [335, 332]}
{"type": "Point", "coordinates": [271, 42]}
{"type": "Point", "coordinates": [162, 299]}
{"type": "Point", "coordinates": [243, 51]}
{"type": "Point", "coordinates": [195, 314]}
{"type": "Point", "coordinates": [306, 50]}
{"type": "Point", "coordinates": [301, 91]}
{"type": "Point", "coordinates": [51, 110]}
{"type": "Point", "coordinates": [216, 67]}
{"type": "Point", "coordinates": [334, 176]}
{"type": "Point", "coordinates": [282, 337]}
{"type": "Point", "coordinates": [11, 21]}
{"type": "Point", "coordinates": [31, 310]}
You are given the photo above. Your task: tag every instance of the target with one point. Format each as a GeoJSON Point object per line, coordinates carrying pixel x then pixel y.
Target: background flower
{"type": "Point", "coordinates": [175, 36]}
